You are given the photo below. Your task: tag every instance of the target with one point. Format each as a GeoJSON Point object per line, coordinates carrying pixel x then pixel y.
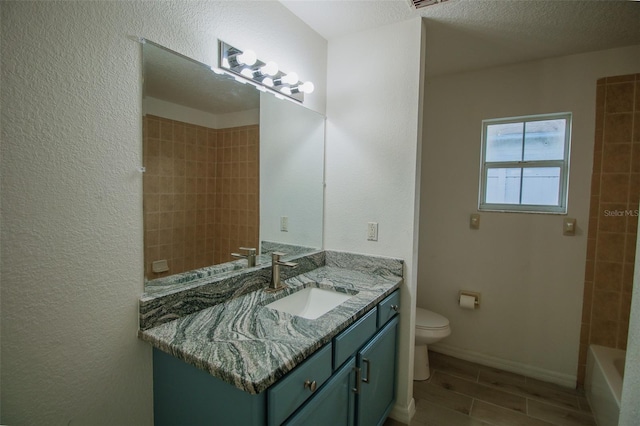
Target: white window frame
{"type": "Point", "coordinates": [561, 207]}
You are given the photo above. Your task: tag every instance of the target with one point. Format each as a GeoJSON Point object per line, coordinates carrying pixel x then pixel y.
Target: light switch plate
{"type": "Point", "coordinates": [569, 226]}
{"type": "Point", "coordinates": [474, 221]}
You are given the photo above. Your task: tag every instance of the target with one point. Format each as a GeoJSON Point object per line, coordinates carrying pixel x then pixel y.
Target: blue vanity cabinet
{"type": "Point", "coordinates": [185, 395]}
{"type": "Point", "coordinates": [362, 390]}
{"type": "Point", "coordinates": [376, 390]}
{"type": "Point", "coordinates": [388, 308]}
{"type": "Point", "coordinates": [284, 397]}
{"type": "Point", "coordinates": [350, 381]}
{"type": "Point", "coordinates": [334, 404]}
{"type": "Point", "coordinates": [347, 343]}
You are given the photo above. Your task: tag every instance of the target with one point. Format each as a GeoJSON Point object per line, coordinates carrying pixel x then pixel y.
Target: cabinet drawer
{"type": "Point", "coordinates": [388, 308]}
{"type": "Point", "coordinates": [333, 405]}
{"type": "Point", "coordinates": [350, 340]}
{"type": "Point", "coordinates": [290, 392]}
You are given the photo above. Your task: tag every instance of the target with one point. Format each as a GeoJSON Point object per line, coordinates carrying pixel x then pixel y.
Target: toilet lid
{"type": "Point", "coordinates": [429, 320]}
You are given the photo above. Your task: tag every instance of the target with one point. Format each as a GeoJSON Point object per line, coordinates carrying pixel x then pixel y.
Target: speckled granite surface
{"type": "Point", "coordinates": [178, 300]}
{"type": "Point", "coordinates": [175, 282]}
{"type": "Point", "coordinates": [250, 346]}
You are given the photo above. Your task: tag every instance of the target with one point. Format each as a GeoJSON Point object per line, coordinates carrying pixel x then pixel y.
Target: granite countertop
{"type": "Point", "coordinates": [250, 346]}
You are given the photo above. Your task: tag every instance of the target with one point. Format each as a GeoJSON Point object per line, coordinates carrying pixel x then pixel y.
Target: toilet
{"type": "Point", "coordinates": [430, 328]}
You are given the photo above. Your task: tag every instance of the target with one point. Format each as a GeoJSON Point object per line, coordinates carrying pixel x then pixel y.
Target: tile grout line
{"type": "Point", "coordinates": [473, 400]}
{"type": "Point", "coordinates": [527, 399]}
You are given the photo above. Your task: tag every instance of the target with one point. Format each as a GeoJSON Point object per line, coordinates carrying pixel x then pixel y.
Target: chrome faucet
{"type": "Point", "coordinates": [276, 263]}
{"type": "Point", "coordinates": [250, 256]}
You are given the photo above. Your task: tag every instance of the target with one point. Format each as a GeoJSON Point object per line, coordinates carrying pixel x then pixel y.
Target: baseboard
{"type": "Point", "coordinates": [566, 380]}
{"type": "Point", "coordinates": [403, 414]}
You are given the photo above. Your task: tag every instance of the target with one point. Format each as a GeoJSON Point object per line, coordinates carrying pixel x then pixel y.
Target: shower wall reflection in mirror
{"type": "Point", "coordinates": [224, 164]}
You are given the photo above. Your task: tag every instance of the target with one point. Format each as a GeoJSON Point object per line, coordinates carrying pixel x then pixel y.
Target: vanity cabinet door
{"type": "Point", "coordinates": [377, 362]}
{"type": "Point", "coordinates": [184, 395]}
{"type": "Point", "coordinates": [284, 397]}
{"type": "Point", "coordinates": [333, 404]}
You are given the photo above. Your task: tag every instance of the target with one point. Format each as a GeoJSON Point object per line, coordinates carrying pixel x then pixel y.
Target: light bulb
{"type": "Point", "coordinates": [248, 57]}
{"type": "Point", "coordinates": [286, 90]}
{"type": "Point", "coordinates": [247, 72]}
{"type": "Point", "coordinates": [271, 68]}
{"type": "Point", "coordinates": [291, 78]}
{"type": "Point", "coordinates": [267, 81]}
{"type": "Point", "coordinates": [307, 87]}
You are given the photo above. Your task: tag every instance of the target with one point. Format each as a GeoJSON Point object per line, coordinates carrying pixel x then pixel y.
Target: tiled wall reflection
{"type": "Point", "coordinates": [201, 197]}
{"type": "Point", "coordinates": [613, 221]}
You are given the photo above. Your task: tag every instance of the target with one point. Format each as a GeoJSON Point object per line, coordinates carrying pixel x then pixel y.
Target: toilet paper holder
{"type": "Point", "coordinates": [473, 294]}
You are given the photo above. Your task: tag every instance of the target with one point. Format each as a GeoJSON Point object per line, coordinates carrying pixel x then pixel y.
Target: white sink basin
{"type": "Point", "coordinates": [310, 302]}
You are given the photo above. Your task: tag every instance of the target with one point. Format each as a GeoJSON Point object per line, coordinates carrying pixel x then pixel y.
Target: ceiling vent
{"type": "Point", "coordinates": [424, 3]}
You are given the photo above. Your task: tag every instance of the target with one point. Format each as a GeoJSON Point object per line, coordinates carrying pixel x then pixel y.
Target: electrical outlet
{"type": "Point", "coordinates": [159, 266]}
{"type": "Point", "coordinates": [284, 224]}
{"type": "Point", "coordinates": [372, 231]}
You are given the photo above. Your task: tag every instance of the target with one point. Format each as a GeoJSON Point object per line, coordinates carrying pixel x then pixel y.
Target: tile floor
{"type": "Point", "coordinates": [462, 393]}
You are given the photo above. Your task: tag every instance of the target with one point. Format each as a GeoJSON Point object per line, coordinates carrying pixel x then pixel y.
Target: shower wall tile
{"type": "Point", "coordinates": [613, 216]}
{"type": "Point", "coordinates": [196, 198]}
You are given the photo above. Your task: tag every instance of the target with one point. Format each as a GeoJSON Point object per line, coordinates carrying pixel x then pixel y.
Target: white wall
{"type": "Point", "coordinates": [291, 172]}
{"type": "Point", "coordinates": [530, 275]}
{"type": "Point", "coordinates": [371, 159]}
{"type": "Point", "coordinates": [189, 115]}
{"type": "Point", "coordinates": [71, 232]}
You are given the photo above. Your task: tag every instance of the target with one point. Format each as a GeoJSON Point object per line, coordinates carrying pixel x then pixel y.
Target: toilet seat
{"type": "Point", "coordinates": [427, 320]}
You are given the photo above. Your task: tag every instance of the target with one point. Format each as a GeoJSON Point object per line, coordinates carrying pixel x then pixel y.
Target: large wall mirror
{"type": "Point", "coordinates": [226, 166]}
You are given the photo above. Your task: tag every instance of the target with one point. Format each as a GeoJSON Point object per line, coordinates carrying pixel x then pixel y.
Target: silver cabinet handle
{"type": "Point", "coordinates": [395, 308]}
{"type": "Point", "coordinates": [366, 361]}
{"type": "Point", "coordinates": [356, 390]}
{"type": "Point", "coordinates": [312, 386]}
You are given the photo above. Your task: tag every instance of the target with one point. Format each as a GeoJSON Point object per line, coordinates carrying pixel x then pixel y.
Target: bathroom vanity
{"type": "Point", "coordinates": [221, 355]}
{"type": "Point", "coordinates": [239, 362]}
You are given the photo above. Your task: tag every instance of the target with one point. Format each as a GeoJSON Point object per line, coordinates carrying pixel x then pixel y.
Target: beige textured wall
{"type": "Point", "coordinates": [531, 276]}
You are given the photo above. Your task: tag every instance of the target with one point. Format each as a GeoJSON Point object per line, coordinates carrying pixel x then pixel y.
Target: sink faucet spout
{"type": "Point", "coordinates": [250, 256]}
{"type": "Point", "coordinates": [276, 263]}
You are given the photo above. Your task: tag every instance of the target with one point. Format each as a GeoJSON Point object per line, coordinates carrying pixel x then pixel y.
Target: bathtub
{"type": "Point", "coordinates": [603, 383]}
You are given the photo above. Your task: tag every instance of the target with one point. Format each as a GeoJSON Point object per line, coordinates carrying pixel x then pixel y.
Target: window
{"type": "Point", "coordinates": [525, 163]}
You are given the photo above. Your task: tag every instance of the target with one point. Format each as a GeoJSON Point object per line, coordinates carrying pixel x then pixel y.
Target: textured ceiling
{"type": "Point", "coordinates": [472, 34]}
{"type": "Point", "coordinates": [461, 35]}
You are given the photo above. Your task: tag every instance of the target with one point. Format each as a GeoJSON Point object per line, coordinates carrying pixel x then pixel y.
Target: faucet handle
{"type": "Point", "coordinates": [275, 257]}
{"type": "Point", "coordinates": [250, 250]}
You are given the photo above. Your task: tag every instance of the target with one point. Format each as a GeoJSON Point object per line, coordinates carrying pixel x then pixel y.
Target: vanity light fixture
{"type": "Point", "coordinates": [265, 76]}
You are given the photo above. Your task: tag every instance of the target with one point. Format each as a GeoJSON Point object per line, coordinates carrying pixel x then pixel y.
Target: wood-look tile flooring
{"type": "Point", "coordinates": [462, 393]}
